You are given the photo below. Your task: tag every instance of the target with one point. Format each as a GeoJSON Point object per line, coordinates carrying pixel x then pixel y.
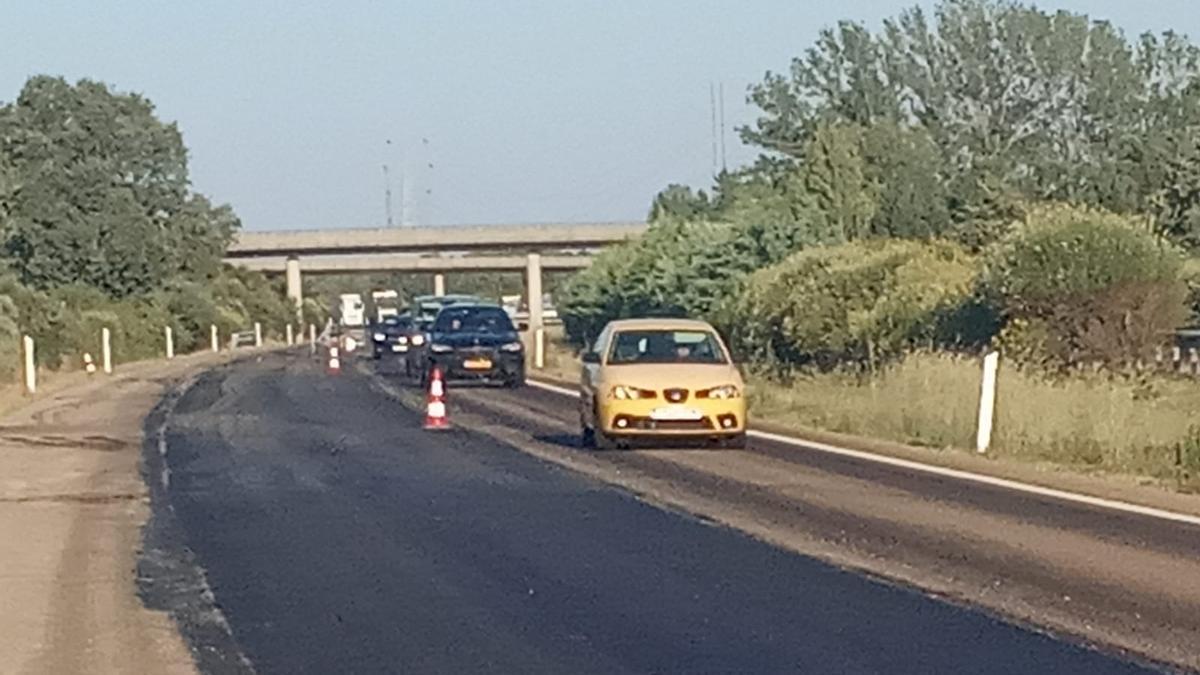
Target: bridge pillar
{"type": "Point", "coordinates": [439, 284]}
{"type": "Point", "coordinates": [533, 289]}
{"type": "Point", "coordinates": [295, 287]}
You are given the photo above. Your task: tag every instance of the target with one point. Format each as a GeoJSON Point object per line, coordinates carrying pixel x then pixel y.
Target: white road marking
{"type": "Point", "coordinates": [958, 474]}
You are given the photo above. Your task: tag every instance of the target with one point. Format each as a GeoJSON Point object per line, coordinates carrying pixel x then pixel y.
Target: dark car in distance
{"type": "Point", "coordinates": [389, 335]}
{"type": "Point", "coordinates": [477, 342]}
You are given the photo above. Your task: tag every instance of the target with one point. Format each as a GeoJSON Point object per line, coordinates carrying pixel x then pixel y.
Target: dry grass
{"type": "Point", "coordinates": [1088, 422]}
{"type": "Point", "coordinates": [1091, 421]}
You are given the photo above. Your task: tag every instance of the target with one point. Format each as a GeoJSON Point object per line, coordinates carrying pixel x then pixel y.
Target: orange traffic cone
{"type": "Point", "coordinates": [334, 365]}
{"type": "Point", "coordinates": [435, 406]}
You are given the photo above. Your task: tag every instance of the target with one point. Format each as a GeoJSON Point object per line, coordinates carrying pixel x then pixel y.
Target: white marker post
{"type": "Point", "coordinates": [170, 337]}
{"type": "Point", "coordinates": [106, 350]}
{"type": "Point", "coordinates": [539, 348]}
{"type": "Point", "coordinates": [257, 334]}
{"type": "Point", "coordinates": [29, 365]}
{"type": "Point", "coordinates": [987, 401]}
{"type": "Point", "coordinates": [216, 346]}
{"type": "Point", "coordinates": [312, 339]}
{"type": "Point", "coordinates": [291, 338]}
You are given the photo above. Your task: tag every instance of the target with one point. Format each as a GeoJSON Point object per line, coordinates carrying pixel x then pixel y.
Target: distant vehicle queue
{"type": "Point", "coordinates": [640, 379]}
{"type": "Point", "coordinates": [466, 337]}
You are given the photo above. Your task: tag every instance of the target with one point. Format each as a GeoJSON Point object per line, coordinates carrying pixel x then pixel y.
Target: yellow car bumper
{"type": "Point", "coordinates": [697, 417]}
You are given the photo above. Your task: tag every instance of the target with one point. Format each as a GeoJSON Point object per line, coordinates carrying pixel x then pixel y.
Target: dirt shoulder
{"type": "Point", "coordinates": [72, 505]}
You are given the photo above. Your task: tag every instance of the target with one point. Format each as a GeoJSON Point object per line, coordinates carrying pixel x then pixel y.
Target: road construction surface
{"type": "Point", "coordinates": [333, 534]}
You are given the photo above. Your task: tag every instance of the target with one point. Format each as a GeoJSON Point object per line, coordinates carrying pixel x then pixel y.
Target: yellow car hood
{"type": "Point", "coordinates": [660, 376]}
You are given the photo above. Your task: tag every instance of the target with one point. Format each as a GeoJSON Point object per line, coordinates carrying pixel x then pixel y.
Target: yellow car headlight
{"type": "Point", "coordinates": [624, 393]}
{"type": "Point", "coordinates": [725, 391]}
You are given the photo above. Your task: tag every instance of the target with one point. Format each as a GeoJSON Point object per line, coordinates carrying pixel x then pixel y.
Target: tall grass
{"type": "Point", "coordinates": [1091, 420]}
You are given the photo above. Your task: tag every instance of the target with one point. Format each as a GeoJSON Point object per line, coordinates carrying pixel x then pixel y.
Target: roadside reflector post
{"type": "Point", "coordinates": [291, 339]}
{"type": "Point", "coordinates": [106, 350]}
{"type": "Point", "coordinates": [987, 402]}
{"type": "Point", "coordinates": [539, 348]}
{"type": "Point", "coordinates": [257, 334]}
{"type": "Point", "coordinates": [28, 365]}
{"type": "Point", "coordinates": [312, 338]}
{"type": "Point", "coordinates": [216, 346]}
{"type": "Point", "coordinates": [170, 342]}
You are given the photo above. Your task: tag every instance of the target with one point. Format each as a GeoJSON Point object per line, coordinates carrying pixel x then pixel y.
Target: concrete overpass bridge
{"type": "Point", "coordinates": [436, 250]}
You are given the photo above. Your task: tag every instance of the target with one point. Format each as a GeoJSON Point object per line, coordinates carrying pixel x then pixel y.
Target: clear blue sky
{"type": "Point", "coordinates": [534, 111]}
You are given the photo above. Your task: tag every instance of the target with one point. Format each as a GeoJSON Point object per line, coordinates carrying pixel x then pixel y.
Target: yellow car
{"type": "Point", "coordinates": [660, 378]}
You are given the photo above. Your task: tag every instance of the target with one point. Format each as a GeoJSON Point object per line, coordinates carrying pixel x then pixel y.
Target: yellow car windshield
{"type": "Point", "coordinates": [665, 346]}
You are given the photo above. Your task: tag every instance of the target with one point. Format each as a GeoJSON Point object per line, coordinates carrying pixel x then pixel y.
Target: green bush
{"type": "Point", "coordinates": [10, 337]}
{"type": "Point", "coordinates": [859, 302]}
{"type": "Point", "coordinates": [676, 269]}
{"type": "Point", "coordinates": [1091, 286]}
{"type": "Point", "coordinates": [1190, 273]}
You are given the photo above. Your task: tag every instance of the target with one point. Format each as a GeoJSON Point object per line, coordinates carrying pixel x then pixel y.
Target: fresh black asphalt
{"type": "Point", "coordinates": [337, 536]}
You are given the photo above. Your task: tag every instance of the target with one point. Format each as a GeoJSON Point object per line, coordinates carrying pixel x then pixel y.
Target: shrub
{"type": "Point", "coordinates": [10, 336]}
{"type": "Point", "coordinates": [675, 269]}
{"type": "Point", "coordinates": [1093, 286]}
{"type": "Point", "coordinates": [1190, 273]}
{"type": "Point", "coordinates": [859, 302]}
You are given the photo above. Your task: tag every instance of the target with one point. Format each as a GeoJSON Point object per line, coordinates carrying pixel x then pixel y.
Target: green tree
{"type": "Point", "coordinates": [836, 175]}
{"type": "Point", "coordinates": [912, 199]}
{"type": "Point", "coordinates": [680, 202]}
{"type": "Point", "coordinates": [96, 192]}
{"type": "Point", "coordinates": [1015, 99]}
{"type": "Point", "coordinates": [1176, 205]}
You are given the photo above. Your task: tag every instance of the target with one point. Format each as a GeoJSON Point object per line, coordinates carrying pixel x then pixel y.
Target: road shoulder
{"type": "Point", "coordinates": [72, 506]}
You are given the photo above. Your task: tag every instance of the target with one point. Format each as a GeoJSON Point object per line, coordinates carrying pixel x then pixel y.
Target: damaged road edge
{"type": "Point", "coordinates": [168, 577]}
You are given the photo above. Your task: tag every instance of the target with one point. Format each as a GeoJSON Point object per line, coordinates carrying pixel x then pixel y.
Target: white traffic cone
{"type": "Point", "coordinates": [435, 407]}
{"type": "Point", "coordinates": [334, 365]}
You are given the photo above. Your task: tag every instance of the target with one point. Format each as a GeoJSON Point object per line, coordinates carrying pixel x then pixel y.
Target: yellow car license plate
{"type": "Point", "coordinates": [676, 414]}
{"type": "Point", "coordinates": [477, 364]}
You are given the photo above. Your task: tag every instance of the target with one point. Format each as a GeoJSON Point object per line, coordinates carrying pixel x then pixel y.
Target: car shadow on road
{"type": "Point", "coordinates": [574, 442]}
{"type": "Point", "coordinates": [562, 440]}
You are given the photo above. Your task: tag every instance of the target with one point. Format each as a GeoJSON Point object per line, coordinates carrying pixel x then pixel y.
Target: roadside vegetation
{"type": "Point", "coordinates": [100, 227]}
{"type": "Point", "coordinates": [984, 176]}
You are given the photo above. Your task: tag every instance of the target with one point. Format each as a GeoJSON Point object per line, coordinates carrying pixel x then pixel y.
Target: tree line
{"type": "Point", "coordinates": [984, 173]}
{"type": "Point", "coordinates": [100, 226]}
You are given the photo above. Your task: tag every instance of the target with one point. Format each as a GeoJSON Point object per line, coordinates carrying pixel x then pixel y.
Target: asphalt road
{"type": "Point", "coordinates": [338, 536]}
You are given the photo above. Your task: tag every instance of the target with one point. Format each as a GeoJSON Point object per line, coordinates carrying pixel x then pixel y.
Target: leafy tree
{"type": "Point", "coordinates": [681, 203]}
{"type": "Point", "coordinates": [96, 192]}
{"type": "Point", "coordinates": [1176, 204]}
{"type": "Point", "coordinates": [1016, 100]}
{"type": "Point", "coordinates": [912, 200]}
{"type": "Point", "coordinates": [836, 175]}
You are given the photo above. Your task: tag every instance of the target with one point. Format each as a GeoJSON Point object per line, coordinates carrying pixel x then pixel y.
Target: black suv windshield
{"type": "Point", "coordinates": [473, 320]}
{"type": "Point", "coordinates": [665, 346]}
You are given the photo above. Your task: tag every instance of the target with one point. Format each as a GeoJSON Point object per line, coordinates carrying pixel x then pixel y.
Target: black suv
{"type": "Point", "coordinates": [476, 341]}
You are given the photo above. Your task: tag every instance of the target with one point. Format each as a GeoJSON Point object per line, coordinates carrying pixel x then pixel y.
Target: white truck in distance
{"type": "Point", "coordinates": [350, 310]}
{"type": "Point", "coordinates": [386, 303]}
